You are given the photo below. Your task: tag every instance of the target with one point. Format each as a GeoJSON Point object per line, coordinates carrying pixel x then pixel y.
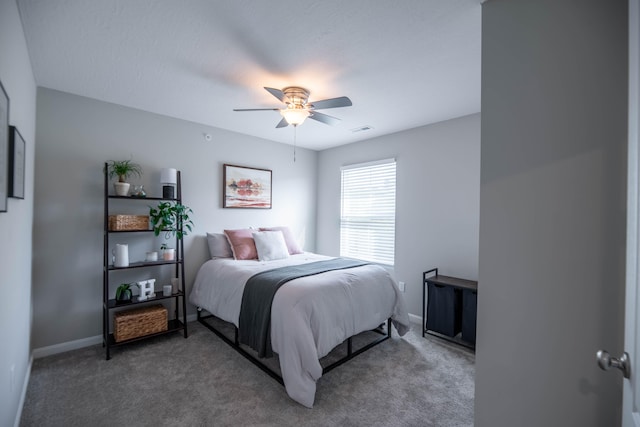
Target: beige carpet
{"type": "Point", "coordinates": [200, 381]}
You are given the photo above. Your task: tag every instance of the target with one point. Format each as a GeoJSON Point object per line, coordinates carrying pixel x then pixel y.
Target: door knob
{"type": "Point", "coordinates": [606, 362]}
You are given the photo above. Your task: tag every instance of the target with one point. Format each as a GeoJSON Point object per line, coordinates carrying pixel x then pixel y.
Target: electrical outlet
{"type": "Point", "coordinates": [401, 286]}
{"type": "Point", "coordinates": [12, 378]}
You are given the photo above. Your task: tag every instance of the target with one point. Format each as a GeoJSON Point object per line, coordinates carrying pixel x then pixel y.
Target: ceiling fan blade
{"type": "Point", "coordinates": [277, 93]}
{"type": "Point", "coordinates": [282, 124]}
{"type": "Point", "coordinates": [256, 109]}
{"type": "Point", "coordinates": [342, 101]}
{"type": "Point", "coordinates": [324, 118]}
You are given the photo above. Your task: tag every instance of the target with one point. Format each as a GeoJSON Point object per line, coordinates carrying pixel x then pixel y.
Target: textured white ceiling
{"type": "Point", "coordinates": [403, 64]}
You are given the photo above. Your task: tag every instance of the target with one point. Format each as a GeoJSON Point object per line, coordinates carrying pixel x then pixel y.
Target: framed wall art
{"type": "Point", "coordinates": [246, 187]}
{"type": "Point", "coordinates": [4, 147]}
{"type": "Point", "coordinates": [16, 163]}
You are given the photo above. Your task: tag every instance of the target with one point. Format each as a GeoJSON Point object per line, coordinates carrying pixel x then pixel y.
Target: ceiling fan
{"type": "Point", "coordinates": [299, 108]}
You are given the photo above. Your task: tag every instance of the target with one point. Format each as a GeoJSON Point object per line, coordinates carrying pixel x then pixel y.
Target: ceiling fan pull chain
{"type": "Point", "coordinates": [295, 133]}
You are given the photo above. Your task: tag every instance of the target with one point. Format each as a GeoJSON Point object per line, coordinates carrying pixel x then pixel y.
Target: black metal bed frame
{"type": "Point", "coordinates": [235, 344]}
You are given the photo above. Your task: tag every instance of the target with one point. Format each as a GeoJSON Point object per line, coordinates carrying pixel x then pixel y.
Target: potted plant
{"type": "Point", "coordinates": [123, 169]}
{"type": "Point", "coordinates": [168, 253]}
{"type": "Point", "coordinates": [171, 218]}
{"type": "Point", "coordinates": [123, 293]}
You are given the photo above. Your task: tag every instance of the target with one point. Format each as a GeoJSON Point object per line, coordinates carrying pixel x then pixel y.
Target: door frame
{"type": "Point", "coordinates": [631, 387]}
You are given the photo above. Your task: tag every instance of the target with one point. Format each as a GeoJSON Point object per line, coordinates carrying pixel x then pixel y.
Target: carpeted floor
{"type": "Point", "coordinates": [200, 381]}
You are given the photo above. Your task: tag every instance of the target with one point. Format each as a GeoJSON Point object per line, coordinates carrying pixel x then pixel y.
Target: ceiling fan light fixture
{"type": "Point", "coordinates": [298, 108]}
{"type": "Point", "coordinates": [295, 116]}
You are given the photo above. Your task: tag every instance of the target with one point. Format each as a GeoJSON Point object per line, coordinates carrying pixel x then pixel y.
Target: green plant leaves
{"type": "Point", "coordinates": [122, 289]}
{"type": "Point", "coordinates": [123, 169]}
{"type": "Point", "coordinates": [172, 218]}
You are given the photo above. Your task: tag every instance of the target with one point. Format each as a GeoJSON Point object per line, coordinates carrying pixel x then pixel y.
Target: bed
{"type": "Point", "coordinates": [309, 315]}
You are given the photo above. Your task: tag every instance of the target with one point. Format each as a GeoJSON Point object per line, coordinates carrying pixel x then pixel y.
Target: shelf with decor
{"type": "Point", "coordinates": [141, 264]}
{"type": "Point", "coordinates": [172, 326]}
{"type": "Point", "coordinates": [155, 311]}
{"type": "Point", "coordinates": [113, 303]}
{"type": "Point", "coordinates": [170, 199]}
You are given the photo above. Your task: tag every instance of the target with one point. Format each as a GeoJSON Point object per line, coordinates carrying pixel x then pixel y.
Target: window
{"type": "Point", "coordinates": [368, 211]}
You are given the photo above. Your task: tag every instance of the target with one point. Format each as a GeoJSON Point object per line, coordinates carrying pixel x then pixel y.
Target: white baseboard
{"type": "Point", "coordinates": [415, 319]}
{"type": "Point", "coordinates": [23, 394]}
{"type": "Point", "coordinates": [66, 346]}
{"type": "Point", "coordinates": [84, 342]}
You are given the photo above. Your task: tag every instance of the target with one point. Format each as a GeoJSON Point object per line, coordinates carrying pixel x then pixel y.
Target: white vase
{"type": "Point", "coordinates": [120, 255]}
{"type": "Point", "coordinates": [122, 188]}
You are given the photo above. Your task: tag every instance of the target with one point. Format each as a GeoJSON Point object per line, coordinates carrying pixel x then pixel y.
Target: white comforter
{"type": "Point", "coordinates": [310, 315]}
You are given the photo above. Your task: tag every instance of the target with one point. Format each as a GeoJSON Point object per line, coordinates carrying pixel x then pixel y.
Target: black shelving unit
{"type": "Point", "coordinates": [179, 321]}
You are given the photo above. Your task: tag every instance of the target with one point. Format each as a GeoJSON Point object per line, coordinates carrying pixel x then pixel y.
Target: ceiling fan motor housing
{"type": "Point", "coordinates": [297, 96]}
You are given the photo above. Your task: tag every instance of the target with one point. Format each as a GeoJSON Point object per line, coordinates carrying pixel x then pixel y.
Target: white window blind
{"type": "Point", "coordinates": [368, 211]}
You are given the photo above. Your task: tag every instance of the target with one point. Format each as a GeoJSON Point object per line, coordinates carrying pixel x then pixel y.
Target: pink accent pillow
{"type": "Point", "coordinates": [242, 244]}
{"type": "Point", "coordinates": [292, 244]}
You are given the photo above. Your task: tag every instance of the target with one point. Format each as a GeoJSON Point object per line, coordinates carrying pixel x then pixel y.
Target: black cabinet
{"type": "Point", "coordinates": [110, 305]}
{"type": "Point", "coordinates": [469, 314]}
{"type": "Point", "coordinates": [449, 306]}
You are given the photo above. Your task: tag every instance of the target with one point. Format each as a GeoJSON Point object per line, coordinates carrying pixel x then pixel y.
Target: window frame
{"type": "Point", "coordinates": [373, 227]}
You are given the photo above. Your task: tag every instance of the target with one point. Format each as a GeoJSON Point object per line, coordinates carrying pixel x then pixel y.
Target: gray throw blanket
{"type": "Point", "coordinates": [254, 323]}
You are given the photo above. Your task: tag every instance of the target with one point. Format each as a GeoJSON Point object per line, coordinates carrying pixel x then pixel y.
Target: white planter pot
{"type": "Point", "coordinates": [122, 188]}
{"type": "Point", "coordinates": [168, 254]}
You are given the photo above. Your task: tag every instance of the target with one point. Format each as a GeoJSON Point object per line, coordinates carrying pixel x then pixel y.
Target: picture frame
{"type": "Point", "coordinates": [246, 187]}
{"type": "Point", "coordinates": [4, 147]}
{"type": "Point", "coordinates": [16, 163]}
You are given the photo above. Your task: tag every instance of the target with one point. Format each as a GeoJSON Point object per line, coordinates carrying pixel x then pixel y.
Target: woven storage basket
{"type": "Point", "coordinates": [128, 222]}
{"type": "Point", "coordinates": [136, 323]}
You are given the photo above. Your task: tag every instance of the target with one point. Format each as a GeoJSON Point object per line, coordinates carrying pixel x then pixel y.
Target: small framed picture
{"type": "Point", "coordinates": [16, 163]}
{"type": "Point", "coordinates": [4, 147]}
{"type": "Point", "coordinates": [246, 187]}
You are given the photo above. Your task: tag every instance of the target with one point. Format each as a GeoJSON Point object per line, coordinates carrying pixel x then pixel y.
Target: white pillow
{"type": "Point", "coordinates": [290, 240]}
{"type": "Point", "coordinates": [270, 245]}
{"type": "Point", "coordinates": [219, 246]}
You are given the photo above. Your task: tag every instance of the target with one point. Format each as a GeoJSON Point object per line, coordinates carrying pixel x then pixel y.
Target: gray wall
{"type": "Point", "coordinates": [437, 199]}
{"type": "Point", "coordinates": [76, 136]}
{"type": "Point", "coordinates": [552, 212]}
{"type": "Point", "coordinates": [15, 224]}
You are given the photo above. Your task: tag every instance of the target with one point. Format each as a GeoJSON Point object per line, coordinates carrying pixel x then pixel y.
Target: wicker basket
{"type": "Point", "coordinates": [128, 222]}
{"type": "Point", "coordinates": [136, 323]}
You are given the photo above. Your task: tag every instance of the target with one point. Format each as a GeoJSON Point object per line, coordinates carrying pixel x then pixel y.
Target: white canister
{"type": "Point", "coordinates": [168, 254]}
{"type": "Point", "coordinates": [166, 290]}
{"type": "Point", "coordinates": [175, 284]}
{"type": "Point", "coordinates": [121, 255]}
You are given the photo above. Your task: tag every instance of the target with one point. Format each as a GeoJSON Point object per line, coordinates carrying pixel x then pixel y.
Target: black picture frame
{"type": "Point", "coordinates": [17, 148]}
{"type": "Point", "coordinates": [246, 188]}
{"type": "Point", "coordinates": [4, 147]}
